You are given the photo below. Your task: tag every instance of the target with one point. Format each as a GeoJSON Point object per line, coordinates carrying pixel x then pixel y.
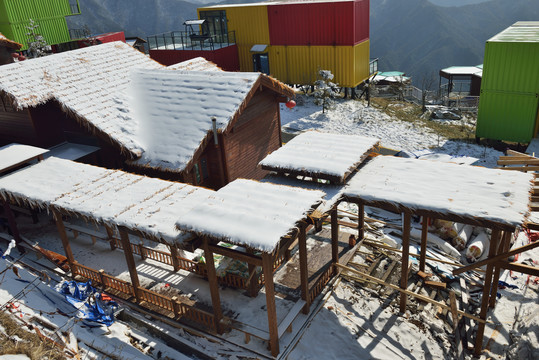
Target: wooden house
{"type": "Point", "coordinates": [80, 99]}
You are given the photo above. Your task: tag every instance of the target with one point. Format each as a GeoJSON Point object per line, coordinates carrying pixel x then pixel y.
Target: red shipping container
{"type": "Point", "coordinates": [319, 23]}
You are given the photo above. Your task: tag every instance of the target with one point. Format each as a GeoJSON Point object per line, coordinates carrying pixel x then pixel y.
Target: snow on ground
{"type": "Point", "coordinates": [355, 117]}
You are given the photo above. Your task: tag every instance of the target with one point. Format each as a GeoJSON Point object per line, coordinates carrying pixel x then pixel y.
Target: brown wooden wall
{"type": "Point", "coordinates": [254, 136]}
{"type": "Point", "coordinates": [15, 126]}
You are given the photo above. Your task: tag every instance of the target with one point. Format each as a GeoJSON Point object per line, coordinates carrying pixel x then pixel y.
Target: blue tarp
{"type": "Point", "coordinates": [89, 301]}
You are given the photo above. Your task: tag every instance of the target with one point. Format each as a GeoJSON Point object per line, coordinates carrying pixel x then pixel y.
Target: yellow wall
{"type": "Point", "coordinates": [300, 64]}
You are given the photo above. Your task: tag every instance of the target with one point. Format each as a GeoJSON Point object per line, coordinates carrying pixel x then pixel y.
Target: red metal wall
{"type": "Point", "coordinates": [361, 21]}
{"type": "Point", "coordinates": [226, 58]}
{"type": "Point", "coordinates": [342, 23]}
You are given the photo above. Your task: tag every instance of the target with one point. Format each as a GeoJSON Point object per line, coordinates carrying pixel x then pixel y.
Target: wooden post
{"type": "Point", "coordinates": [303, 268]}
{"type": "Point", "coordinates": [174, 256]}
{"type": "Point", "coordinates": [334, 236]}
{"type": "Point", "coordinates": [214, 285]}
{"type": "Point", "coordinates": [267, 268]}
{"type": "Point", "coordinates": [360, 221]}
{"type": "Point", "coordinates": [110, 234]}
{"type": "Point", "coordinates": [405, 253]}
{"type": "Point", "coordinates": [252, 287]}
{"type": "Point", "coordinates": [503, 247]}
{"type": "Point", "coordinates": [63, 235]}
{"type": "Point", "coordinates": [423, 250]}
{"type": "Point", "coordinates": [101, 272]}
{"type": "Point", "coordinates": [486, 292]}
{"type": "Point", "coordinates": [13, 226]}
{"type": "Point", "coordinates": [128, 252]}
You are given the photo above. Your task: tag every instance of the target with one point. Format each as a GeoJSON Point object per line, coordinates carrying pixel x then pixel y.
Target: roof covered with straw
{"type": "Point", "coordinates": [4, 41]}
{"type": "Point", "coordinates": [113, 197]}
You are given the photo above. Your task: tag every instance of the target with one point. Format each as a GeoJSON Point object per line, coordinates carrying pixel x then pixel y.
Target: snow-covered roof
{"type": "Point", "coordinates": [321, 155]}
{"type": "Point", "coordinates": [332, 193]}
{"type": "Point", "coordinates": [196, 64]}
{"type": "Point", "coordinates": [114, 197]}
{"type": "Point", "coordinates": [465, 192]}
{"type": "Point", "coordinates": [174, 110]}
{"type": "Point", "coordinates": [89, 83]}
{"type": "Point", "coordinates": [463, 70]}
{"type": "Point", "coordinates": [251, 213]}
{"type": "Point", "coordinates": [16, 154]}
{"type": "Point", "coordinates": [521, 31]}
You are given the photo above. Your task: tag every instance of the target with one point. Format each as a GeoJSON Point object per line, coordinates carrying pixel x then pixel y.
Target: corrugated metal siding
{"type": "Point", "coordinates": [3, 15]}
{"type": "Point", "coordinates": [249, 22]}
{"type": "Point", "coordinates": [315, 24]}
{"type": "Point", "coordinates": [511, 67]}
{"type": "Point", "coordinates": [22, 10]}
{"type": "Point", "coordinates": [361, 21]}
{"type": "Point", "coordinates": [300, 64]}
{"type": "Point", "coordinates": [54, 31]}
{"type": "Point", "coordinates": [361, 62]}
{"type": "Point", "coordinates": [507, 116]}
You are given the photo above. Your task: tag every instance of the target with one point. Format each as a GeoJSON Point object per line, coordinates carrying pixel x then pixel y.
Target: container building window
{"type": "Point", "coordinates": [217, 24]}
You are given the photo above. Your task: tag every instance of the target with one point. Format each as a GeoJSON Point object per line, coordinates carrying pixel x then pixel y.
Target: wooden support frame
{"type": "Point", "coordinates": [334, 235]}
{"type": "Point", "coordinates": [235, 254]}
{"type": "Point", "coordinates": [487, 284]}
{"type": "Point", "coordinates": [130, 259]}
{"type": "Point", "coordinates": [521, 268]}
{"type": "Point", "coordinates": [267, 268]}
{"type": "Point", "coordinates": [405, 253]}
{"type": "Point", "coordinates": [63, 235]}
{"type": "Point", "coordinates": [360, 220]}
{"type": "Point", "coordinates": [423, 249]}
{"type": "Point", "coordinates": [174, 255]}
{"type": "Point", "coordinates": [252, 287]}
{"type": "Point", "coordinates": [303, 268]}
{"type": "Point", "coordinates": [214, 285]}
{"type": "Point", "coordinates": [503, 246]}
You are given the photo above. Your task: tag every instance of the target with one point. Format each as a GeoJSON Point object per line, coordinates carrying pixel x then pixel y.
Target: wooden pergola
{"type": "Point", "coordinates": [264, 219]}
{"type": "Point", "coordinates": [438, 191]}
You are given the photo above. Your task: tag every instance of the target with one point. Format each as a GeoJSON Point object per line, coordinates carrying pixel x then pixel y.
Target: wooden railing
{"type": "Point", "coordinates": [177, 308]}
{"type": "Point", "coordinates": [320, 283]}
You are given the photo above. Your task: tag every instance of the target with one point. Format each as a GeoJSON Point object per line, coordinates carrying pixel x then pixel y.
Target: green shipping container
{"type": "Point", "coordinates": [509, 101]}
{"type": "Point", "coordinates": [50, 15]}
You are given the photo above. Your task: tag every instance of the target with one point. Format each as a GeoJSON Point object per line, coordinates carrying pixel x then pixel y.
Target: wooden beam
{"type": "Point", "coordinates": [267, 268]}
{"type": "Point", "coordinates": [63, 235]}
{"type": "Point", "coordinates": [130, 260]}
{"type": "Point", "coordinates": [214, 285]}
{"type": "Point", "coordinates": [521, 268]}
{"type": "Point", "coordinates": [303, 268]}
{"type": "Point", "coordinates": [360, 220]}
{"type": "Point", "coordinates": [493, 259]}
{"type": "Point", "coordinates": [503, 247]}
{"type": "Point", "coordinates": [423, 249]}
{"type": "Point", "coordinates": [252, 281]}
{"type": "Point", "coordinates": [235, 254]}
{"type": "Point", "coordinates": [408, 292]}
{"type": "Point", "coordinates": [521, 161]}
{"type": "Point", "coordinates": [495, 237]}
{"type": "Point", "coordinates": [521, 168]}
{"type": "Point", "coordinates": [405, 251]}
{"type": "Point", "coordinates": [174, 256]}
{"type": "Point", "coordinates": [334, 235]}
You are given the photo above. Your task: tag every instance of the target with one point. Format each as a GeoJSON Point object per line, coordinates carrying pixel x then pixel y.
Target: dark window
{"type": "Point", "coordinates": [204, 168]}
{"type": "Point", "coordinates": [197, 174]}
{"type": "Point", "coordinates": [216, 23]}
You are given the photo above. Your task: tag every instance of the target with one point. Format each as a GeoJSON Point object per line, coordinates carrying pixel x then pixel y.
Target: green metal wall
{"type": "Point", "coordinates": [509, 91]}
{"type": "Point", "coordinates": [48, 14]}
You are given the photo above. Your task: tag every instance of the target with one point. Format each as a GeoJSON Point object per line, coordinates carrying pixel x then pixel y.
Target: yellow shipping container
{"type": "Point", "coordinates": [300, 64]}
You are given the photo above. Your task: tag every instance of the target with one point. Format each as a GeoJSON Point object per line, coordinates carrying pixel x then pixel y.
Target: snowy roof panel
{"type": "Point", "coordinates": [251, 213]}
{"type": "Point", "coordinates": [88, 82]}
{"type": "Point", "coordinates": [149, 205]}
{"type": "Point", "coordinates": [522, 31]}
{"type": "Point", "coordinates": [16, 154]}
{"type": "Point", "coordinates": [174, 110]}
{"type": "Point", "coordinates": [196, 64]}
{"type": "Point", "coordinates": [322, 155]}
{"type": "Point", "coordinates": [463, 70]}
{"type": "Point", "coordinates": [467, 192]}
{"type": "Point", "coordinates": [332, 193]}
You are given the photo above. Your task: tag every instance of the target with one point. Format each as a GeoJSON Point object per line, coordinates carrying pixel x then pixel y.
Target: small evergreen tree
{"type": "Point", "coordinates": [325, 90]}
{"type": "Point", "coordinates": [37, 46]}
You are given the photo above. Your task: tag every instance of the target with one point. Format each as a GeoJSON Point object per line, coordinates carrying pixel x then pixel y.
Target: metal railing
{"type": "Point", "coordinates": [373, 66]}
{"type": "Point", "coordinates": [182, 40]}
{"type": "Point", "coordinates": [76, 34]}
